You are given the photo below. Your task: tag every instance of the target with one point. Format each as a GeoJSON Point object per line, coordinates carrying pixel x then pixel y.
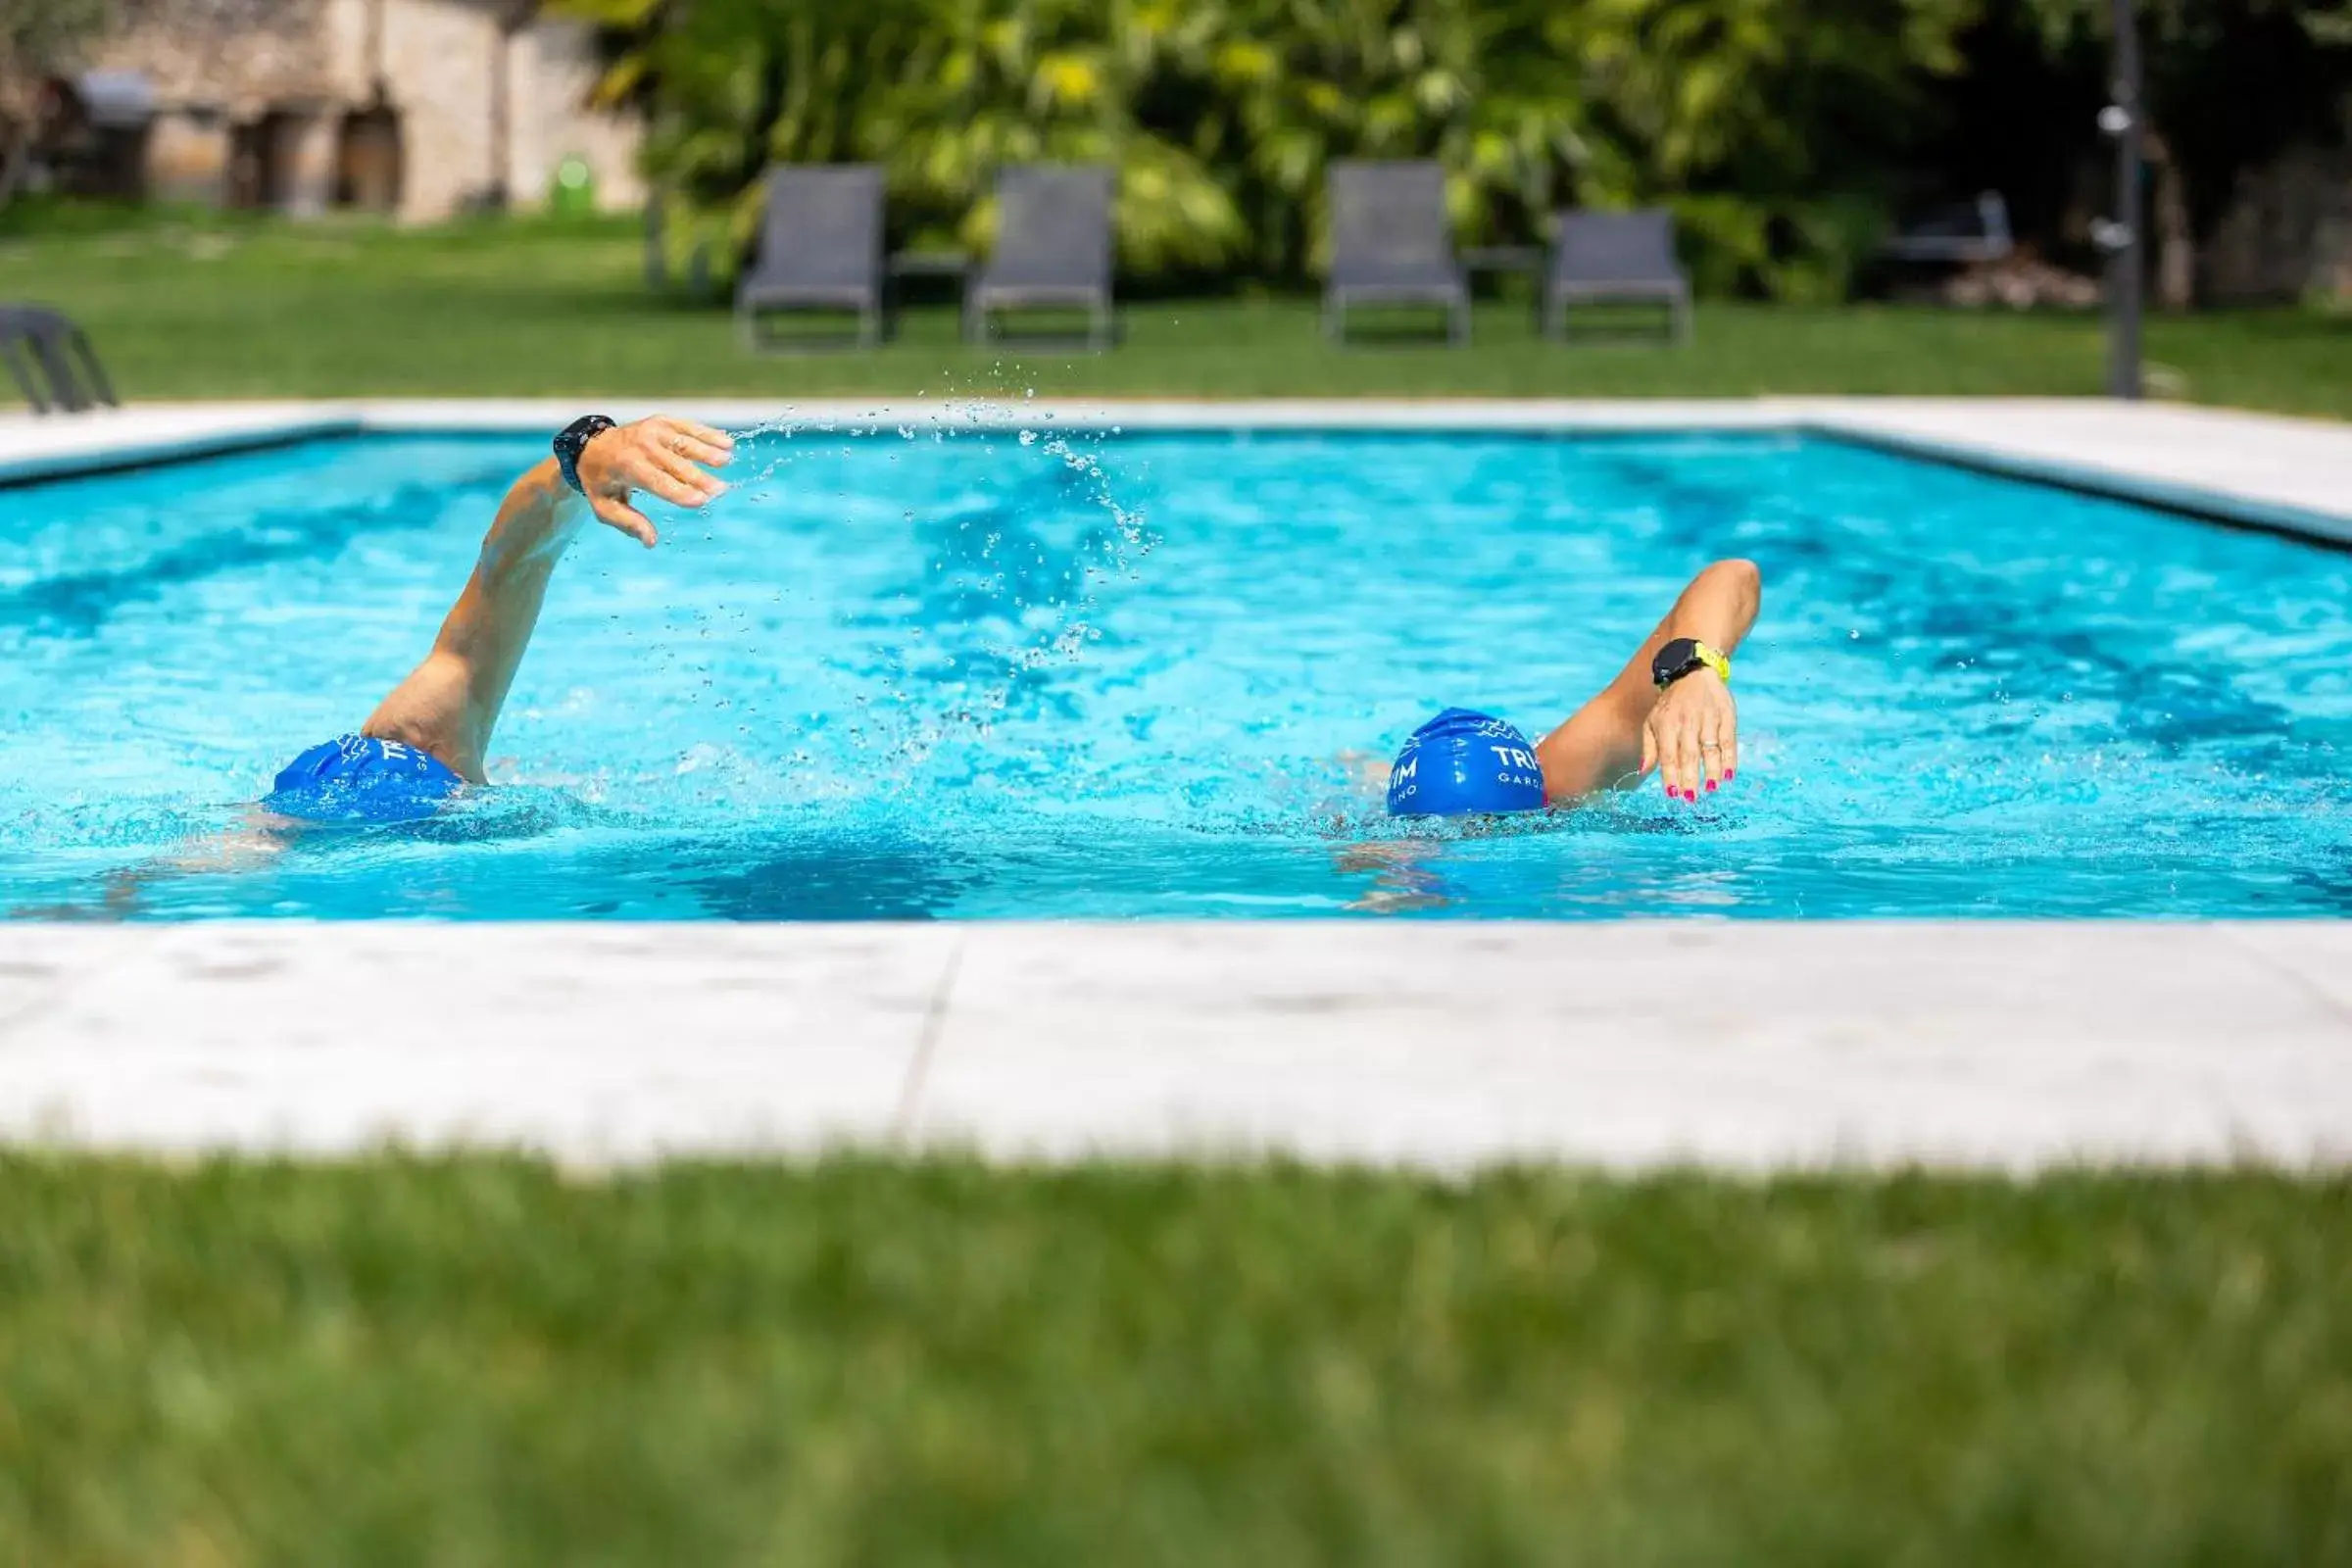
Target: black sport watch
{"type": "Point", "coordinates": [1682, 657]}
{"type": "Point", "coordinates": [573, 440]}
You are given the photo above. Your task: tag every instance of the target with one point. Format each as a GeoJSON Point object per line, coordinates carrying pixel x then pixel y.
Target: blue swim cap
{"type": "Point", "coordinates": [359, 778]}
{"type": "Point", "coordinates": [1461, 763]}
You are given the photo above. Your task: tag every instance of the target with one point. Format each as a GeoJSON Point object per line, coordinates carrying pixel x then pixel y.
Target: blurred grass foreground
{"type": "Point", "coordinates": [481, 1360]}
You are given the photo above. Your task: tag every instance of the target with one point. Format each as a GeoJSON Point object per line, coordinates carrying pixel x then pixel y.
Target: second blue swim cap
{"type": "Point", "coordinates": [1461, 763]}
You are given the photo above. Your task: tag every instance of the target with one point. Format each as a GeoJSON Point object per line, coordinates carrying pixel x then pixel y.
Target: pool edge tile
{"type": "Point", "coordinates": [2013, 1046]}
{"type": "Point", "coordinates": [594, 1044]}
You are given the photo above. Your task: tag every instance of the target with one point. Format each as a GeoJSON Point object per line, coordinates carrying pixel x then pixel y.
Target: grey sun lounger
{"type": "Point", "coordinates": [820, 247]}
{"type": "Point", "coordinates": [51, 361]}
{"type": "Point", "coordinates": [1960, 234]}
{"type": "Point", "coordinates": [1391, 244]}
{"type": "Point", "coordinates": [1616, 257]}
{"type": "Point", "coordinates": [1052, 248]}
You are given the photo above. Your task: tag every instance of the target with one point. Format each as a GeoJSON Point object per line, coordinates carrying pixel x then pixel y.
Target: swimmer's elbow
{"type": "Point", "coordinates": [1745, 581]}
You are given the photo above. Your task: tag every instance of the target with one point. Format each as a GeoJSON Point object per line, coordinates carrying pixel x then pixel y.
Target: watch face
{"type": "Point", "coordinates": [1674, 660]}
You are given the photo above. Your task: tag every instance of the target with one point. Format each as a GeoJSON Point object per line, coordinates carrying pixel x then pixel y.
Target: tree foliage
{"type": "Point", "coordinates": [2227, 84]}
{"type": "Point", "coordinates": [1773, 126]}
{"type": "Point", "coordinates": [38, 39]}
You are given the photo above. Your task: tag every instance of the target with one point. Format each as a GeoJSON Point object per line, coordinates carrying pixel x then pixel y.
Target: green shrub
{"type": "Point", "coordinates": [1222, 115]}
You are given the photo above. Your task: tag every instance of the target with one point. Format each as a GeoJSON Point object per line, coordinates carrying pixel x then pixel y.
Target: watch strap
{"type": "Point", "coordinates": [1685, 655]}
{"type": "Point", "coordinates": [573, 439]}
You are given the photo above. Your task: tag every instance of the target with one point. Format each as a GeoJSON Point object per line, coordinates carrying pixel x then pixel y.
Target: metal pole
{"type": "Point", "coordinates": [2120, 236]}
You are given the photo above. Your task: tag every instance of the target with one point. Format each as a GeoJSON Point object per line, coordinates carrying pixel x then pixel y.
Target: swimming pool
{"type": "Point", "coordinates": [974, 673]}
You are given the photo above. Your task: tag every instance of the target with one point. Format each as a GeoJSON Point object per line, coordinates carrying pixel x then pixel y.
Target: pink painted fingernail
{"type": "Point", "coordinates": [1729, 773]}
{"type": "Point", "coordinates": [1710, 786]}
{"type": "Point", "coordinates": [1672, 794]}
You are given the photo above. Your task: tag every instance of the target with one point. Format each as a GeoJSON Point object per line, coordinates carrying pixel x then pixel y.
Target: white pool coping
{"type": "Point", "coordinates": [1442, 1045]}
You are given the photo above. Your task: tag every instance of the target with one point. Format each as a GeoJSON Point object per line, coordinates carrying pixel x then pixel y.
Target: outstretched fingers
{"type": "Point", "coordinates": [699, 442]}
{"type": "Point", "coordinates": [670, 458]}
{"type": "Point", "coordinates": [693, 486]}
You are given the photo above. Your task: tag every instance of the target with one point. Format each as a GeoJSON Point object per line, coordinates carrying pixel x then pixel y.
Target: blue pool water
{"type": "Point", "coordinates": [909, 674]}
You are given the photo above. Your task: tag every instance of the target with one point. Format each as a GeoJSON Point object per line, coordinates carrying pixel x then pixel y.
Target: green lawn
{"type": "Point", "coordinates": [270, 310]}
{"type": "Point", "coordinates": [478, 1362]}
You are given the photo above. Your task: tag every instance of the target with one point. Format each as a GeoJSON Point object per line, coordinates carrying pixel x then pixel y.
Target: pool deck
{"type": "Point", "coordinates": [1446, 1044]}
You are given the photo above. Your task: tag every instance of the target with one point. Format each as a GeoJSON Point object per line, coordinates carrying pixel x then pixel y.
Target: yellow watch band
{"type": "Point", "coordinates": [1714, 660]}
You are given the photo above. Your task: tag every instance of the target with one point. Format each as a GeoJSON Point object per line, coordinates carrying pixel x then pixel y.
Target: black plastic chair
{"type": "Point", "coordinates": [1391, 244]}
{"type": "Point", "coordinates": [1616, 258]}
{"type": "Point", "coordinates": [51, 361]}
{"type": "Point", "coordinates": [820, 247]}
{"type": "Point", "coordinates": [1054, 248]}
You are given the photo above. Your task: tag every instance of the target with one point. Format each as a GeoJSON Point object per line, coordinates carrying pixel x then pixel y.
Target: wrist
{"type": "Point", "coordinates": [571, 444]}
{"type": "Point", "coordinates": [1681, 658]}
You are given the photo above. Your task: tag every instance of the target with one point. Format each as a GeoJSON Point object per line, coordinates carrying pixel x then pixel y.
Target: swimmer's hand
{"type": "Point", "coordinates": [1693, 736]}
{"type": "Point", "coordinates": [665, 455]}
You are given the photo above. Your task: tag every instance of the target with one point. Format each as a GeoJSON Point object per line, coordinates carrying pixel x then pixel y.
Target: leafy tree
{"type": "Point", "coordinates": [39, 39]}
{"type": "Point", "coordinates": [1769, 124]}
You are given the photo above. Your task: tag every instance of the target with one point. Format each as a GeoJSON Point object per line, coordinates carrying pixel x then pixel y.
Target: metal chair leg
{"type": "Point", "coordinates": [102, 388]}
{"type": "Point", "coordinates": [49, 352]}
{"type": "Point", "coordinates": [27, 380]}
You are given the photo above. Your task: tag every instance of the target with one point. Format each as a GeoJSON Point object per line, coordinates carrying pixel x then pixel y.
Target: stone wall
{"type": "Point", "coordinates": [238, 56]}
{"type": "Point", "coordinates": [485, 101]}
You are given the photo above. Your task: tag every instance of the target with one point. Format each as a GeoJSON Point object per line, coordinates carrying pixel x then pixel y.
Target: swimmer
{"type": "Point", "coordinates": [1668, 712]}
{"type": "Point", "coordinates": [427, 741]}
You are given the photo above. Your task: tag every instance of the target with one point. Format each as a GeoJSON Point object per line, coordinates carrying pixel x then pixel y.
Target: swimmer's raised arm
{"type": "Point", "coordinates": [1691, 730]}
{"type": "Point", "coordinates": [449, 704]}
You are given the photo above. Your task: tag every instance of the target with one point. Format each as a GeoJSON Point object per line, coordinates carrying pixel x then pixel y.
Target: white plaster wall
{"type": "Point", "coordinates": [440, 57]}
{"type": "Point", "coordinates": [555, 70]}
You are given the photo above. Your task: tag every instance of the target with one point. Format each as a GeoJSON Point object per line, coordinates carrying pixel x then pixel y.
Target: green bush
{"type": "Point", "coordinates": [1773, 127]}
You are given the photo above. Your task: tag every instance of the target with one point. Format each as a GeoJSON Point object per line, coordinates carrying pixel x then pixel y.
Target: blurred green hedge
{"type": "Point", "coordinates": [1775, 129]}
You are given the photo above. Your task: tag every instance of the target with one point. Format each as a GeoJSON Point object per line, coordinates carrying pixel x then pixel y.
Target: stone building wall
{"type": "Point", "coordinates": [238, 56]}
{"type": "Point", "coordinates": [486, 100]}
{"type": "Point", "coordinates": [557, 68]}
{"type": "Point", "coordinates": [442, 60]}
